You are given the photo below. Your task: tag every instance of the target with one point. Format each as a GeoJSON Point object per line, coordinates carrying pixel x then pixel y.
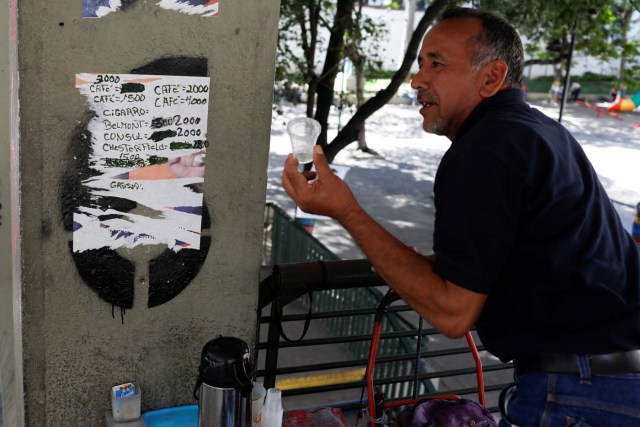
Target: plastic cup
{"type": "Point", "coordinates": [272, 411]}
{"type": "Point", "coordinates": [258, 394]}
{"type": "Point", "coordinates": [304, 132]}
{"type": "Point", "coordinates": [126, 408]}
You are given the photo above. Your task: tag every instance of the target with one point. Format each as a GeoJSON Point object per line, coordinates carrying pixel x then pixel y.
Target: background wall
{"type": "Point", "coordinates": [77, 344]}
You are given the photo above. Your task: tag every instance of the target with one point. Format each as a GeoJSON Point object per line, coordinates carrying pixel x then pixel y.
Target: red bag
{"type": "Point", "coordinates": [445, 413]}
{"type": "Point", "coordinates": [322, 417]}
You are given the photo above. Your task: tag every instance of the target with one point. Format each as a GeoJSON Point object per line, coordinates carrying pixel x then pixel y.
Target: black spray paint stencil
{"type": "Point", "coordinates": [116, 275]}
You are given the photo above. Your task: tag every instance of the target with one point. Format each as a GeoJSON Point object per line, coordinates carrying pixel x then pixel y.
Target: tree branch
{"type": "Point", "coordinates": [349, 133]}
{"type": "Point", "coordinates": [556, 60]}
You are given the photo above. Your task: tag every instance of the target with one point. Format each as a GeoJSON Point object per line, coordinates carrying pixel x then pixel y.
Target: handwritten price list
{"type": "Point", "coordinates": [145, 120]}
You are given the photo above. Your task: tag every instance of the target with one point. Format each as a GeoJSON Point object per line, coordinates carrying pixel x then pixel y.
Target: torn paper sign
{"type": "Point", "coordinates": [147, 150]}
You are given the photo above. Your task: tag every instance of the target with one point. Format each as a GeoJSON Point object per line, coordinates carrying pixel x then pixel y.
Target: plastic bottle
{"type": "Point", "coordinates": [272, 410]}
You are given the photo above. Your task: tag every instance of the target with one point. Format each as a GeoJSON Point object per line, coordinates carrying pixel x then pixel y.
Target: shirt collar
{"type": "Point", "coordinates": [508, 96]}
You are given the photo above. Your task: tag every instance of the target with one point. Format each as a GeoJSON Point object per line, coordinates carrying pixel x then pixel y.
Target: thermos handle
{"type": "Point", "coordinates": [197, 387]}
{"type": "Point", "coordinates": [243, 380]}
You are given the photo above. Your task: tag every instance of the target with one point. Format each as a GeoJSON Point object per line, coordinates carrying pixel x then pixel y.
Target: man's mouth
{"type": "Point", "coordinates": [426, 105]}
{"type": "Point", "coordinates": [426, 101]}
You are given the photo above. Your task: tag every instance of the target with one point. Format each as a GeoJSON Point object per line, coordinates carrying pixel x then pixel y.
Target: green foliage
{"type": "Point", "coordinates": [633, 78]}
{"type": "Point", "coordinates": [593, 77]}
{"type": "Point", "coordinates": [381, 74]}
{"type": "Point", "coordinates": [600, 26]}
{"type": "Point", "coordinates": [592, 84]}
{"type": "Point", "coordinates": [300, 39]}
{"type": "Point", "coordinates": [300, 36]}
{"type": "Point", "coordinates": [363, 42]}
{"type": "Point", "coordinates": [349, 34]}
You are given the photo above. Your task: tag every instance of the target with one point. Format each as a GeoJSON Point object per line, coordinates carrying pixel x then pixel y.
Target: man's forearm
{"type": "Point", "coordinates": [448, 307]}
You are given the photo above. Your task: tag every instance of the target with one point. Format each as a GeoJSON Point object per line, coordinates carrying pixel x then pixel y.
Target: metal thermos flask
{"type": "Point", "coordinates": [223, 388]}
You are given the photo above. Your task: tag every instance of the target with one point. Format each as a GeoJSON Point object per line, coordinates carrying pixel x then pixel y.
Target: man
{"type": "Point", "coordinates": [575, 91]}
{"type": "Point", "coordinates": [527, 245]}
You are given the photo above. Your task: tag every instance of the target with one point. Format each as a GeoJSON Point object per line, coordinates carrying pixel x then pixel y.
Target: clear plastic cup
{"type": "Point", "coordinates": [126, 408]}
{"type": "Point", "coordinates": [258, 394]}
{"type": "Point", "coordinates": [303, 132]}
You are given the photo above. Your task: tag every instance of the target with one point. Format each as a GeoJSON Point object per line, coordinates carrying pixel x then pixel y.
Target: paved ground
{"type": "Point", "coordinates": [396, 187]}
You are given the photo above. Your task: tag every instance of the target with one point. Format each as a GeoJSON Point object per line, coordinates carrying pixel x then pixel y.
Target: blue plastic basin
{"type": "Point", "coordinates": [180, 416]}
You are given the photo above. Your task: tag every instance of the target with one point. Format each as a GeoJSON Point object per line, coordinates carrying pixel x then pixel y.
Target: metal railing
{"type": "Point", "coordinates": [344, 301]}
{"type": "Point", "coordinates": [400, 339]}
{"type": "Point", "coordinates": [445, 365]}
{"type": "Point", "coordinates": [285, 241]}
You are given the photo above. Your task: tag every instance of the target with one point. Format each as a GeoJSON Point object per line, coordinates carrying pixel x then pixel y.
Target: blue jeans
{"type": "Point", "coordinates": [540, 399]}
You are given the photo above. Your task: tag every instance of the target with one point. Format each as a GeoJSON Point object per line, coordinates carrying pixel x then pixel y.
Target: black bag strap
{"type": "Point", "coordinates": [307, 321]}
{"type": "Point", "coordinates": [278, 319]}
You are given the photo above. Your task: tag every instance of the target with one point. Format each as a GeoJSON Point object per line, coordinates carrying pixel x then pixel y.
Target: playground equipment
{"type": "Point", "coordinates": [620, 105]}
{"type": "Point", "coordinates": [601, 108]}
{"type": "Point", "coordinates": [625, 104]}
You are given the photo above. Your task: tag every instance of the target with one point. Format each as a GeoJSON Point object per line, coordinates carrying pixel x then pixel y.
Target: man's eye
{"type": "Point", "coordinates": [436, 64]}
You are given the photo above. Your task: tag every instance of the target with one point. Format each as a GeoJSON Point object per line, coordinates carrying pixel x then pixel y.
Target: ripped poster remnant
{"type": "Point", "coordinates": [99, 8]}
{"type": "Point", "coordinates": [148, 146]}
{"type": "Point", "coordinates": [192, 7]}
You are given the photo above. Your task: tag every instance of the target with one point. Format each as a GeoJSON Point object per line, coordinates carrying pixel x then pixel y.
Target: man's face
{"type": "Point", "coordinates": [447, 87]}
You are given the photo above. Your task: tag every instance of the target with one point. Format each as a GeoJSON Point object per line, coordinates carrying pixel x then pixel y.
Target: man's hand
{"type": "Point", "coordinates": [320, 192]}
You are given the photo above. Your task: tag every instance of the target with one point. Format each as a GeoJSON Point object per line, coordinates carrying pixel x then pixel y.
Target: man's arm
{"type": "Point", "coordinates": [448, 307]}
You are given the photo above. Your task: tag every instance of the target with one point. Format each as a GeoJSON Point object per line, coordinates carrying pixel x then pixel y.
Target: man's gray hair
{"type": "Point", "coordinates": [497, 40]}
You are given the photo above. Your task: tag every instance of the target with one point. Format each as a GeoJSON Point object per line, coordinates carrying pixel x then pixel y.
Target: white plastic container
{"type": "Point", "coordinates": [257, 402]}
{"type": "Point", "coordinates": [272, 410]}
{"type": "Point", "coordinates": [127, 408]}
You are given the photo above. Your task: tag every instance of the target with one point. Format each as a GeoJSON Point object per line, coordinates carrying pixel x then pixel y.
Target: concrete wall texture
{"type": "Point", "coordinates": [11, 390]}
{"type": "Point", "coordinates": [93, 319]}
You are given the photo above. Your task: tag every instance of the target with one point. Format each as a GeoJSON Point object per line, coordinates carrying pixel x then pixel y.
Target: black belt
{"type": "Point", "coordinates": [601, 364]}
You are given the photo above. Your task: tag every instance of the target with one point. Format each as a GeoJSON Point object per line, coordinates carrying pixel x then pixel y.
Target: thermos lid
{"type": "Point", "coordinates": [226, 363]}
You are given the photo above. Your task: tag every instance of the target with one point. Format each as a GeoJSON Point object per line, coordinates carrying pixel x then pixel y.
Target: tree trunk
{"type": "Point", "coordinates": [362, 138]}
{"type": "Point", "coordinates": [311, 97]}
{"type": "Point", "coordinates": [310, 52]}
{"type": "Point", "coordinates": [410, 7]}
{"type": "Point", "coordinates": [344, 9]}
{"type": "Point", "coordinates": [626, 22]}
{"type": "Point", "coordinates": [349, 133]}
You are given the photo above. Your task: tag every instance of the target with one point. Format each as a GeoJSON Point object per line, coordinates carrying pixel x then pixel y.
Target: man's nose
{"type": "Point", "coordinates": [418, 81]}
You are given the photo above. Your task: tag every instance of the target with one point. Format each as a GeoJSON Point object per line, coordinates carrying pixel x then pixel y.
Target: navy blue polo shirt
{"type": "Point", "coordinates": [522, 217]}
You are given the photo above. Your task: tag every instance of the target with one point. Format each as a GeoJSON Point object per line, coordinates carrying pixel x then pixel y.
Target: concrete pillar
{"type": "Point", "coordinates": [11, 390]}
{"type": "Point", "coordinates": [98, 318]}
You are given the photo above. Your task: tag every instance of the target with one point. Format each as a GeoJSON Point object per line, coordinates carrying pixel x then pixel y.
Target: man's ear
{"type": "Point", "coordinates": [493, 76]}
